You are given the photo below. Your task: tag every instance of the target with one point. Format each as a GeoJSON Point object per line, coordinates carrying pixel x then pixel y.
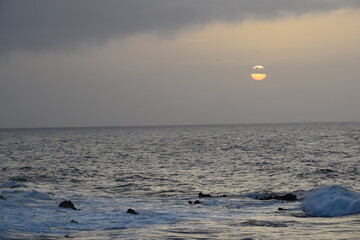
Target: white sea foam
{"type": "Point", "coordinates": [332, 201]}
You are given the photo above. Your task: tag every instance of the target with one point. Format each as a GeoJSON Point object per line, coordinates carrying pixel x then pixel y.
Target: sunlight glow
{"type": "Point", "coordinates": [258, 76]}
{"type": "Point", "coordinates": [259, 67]}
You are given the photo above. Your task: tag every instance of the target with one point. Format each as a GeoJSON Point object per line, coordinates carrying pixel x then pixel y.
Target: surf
{"type": "Point", "coordinates": [331, 201]}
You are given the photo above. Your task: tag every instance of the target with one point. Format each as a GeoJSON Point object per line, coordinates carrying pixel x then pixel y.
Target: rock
{"type": "Point", "coordinates": [325, 170]}
{"type": "Point", "coordinates": [131, 211]}
{"type": "Point", "coordinates": [67, 204]}
{"type": "Point", "coordinates": [286, 197]}
{"type": "Point", "coordinates": [222, 195]}
{"type": "Point", "coordinates": [196, 202]}
{"type": "Point", "coordinates": [2, 197]}
{"type": "Point", "coordinates": [281, 209]}
{"type": "Point", "coordinates": [73, 221]}
{"type": "Point", "coordinates": [201, 195]}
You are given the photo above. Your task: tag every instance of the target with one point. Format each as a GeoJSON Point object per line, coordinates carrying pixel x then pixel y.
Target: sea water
{"type": "Point", "coordinates": [157, 170]}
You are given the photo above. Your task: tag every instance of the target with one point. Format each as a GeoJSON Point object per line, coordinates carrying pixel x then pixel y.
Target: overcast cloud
{"type": "Point", "coordinates": [43, 24]}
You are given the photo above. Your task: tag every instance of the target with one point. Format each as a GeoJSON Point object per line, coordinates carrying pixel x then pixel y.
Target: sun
{"type": "Point", "coordinates": [259, 67]}
{"type": "Point", "coordinates": [258, 74]}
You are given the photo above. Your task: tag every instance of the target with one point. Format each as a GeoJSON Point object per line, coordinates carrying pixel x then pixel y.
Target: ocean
{"type": "Point", "coordinates": [156, 171]}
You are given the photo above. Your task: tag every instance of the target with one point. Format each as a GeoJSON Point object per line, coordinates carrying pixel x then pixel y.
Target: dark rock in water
{"type": "Point", "coordinates": [2, 197]}
{"type": "Point", "coordinates": [286, 197]}
{"type": "Point", "coordinates": [197, 202]}
{"type": "Point", "coordinates": [204, 195]}
{"type": "Point", "coordinates": [222, 195]}
{"type": "Point", "coordinates": [281, 209]}
{"type": "Point", "coordinates": [190, 202]}
{"type": "Point", "coordinates": [67, 204]}
{"type": "Point", "coordinates": [325, 170]}
{"type": "Point", "coordinates": [73, 221]}
{"type": "Point", "coordinates": [132, 211]}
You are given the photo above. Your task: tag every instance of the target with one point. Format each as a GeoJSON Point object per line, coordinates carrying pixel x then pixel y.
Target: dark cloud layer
{"type": "Point", "coordinates": [44, 24]}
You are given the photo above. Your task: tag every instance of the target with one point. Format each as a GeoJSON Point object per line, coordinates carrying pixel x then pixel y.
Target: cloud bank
{"type": "Point", "coordinates": [41, 24]}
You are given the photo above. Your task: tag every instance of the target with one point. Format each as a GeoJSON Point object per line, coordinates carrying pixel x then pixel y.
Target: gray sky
{"type": "Point", "coordinates": [160, 62]}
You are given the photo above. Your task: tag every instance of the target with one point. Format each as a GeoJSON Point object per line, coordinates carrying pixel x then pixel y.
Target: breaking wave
{"type": "Point", "coordinates": [332, 201]}
{"type": "Point", "coordinates": [13, 184]}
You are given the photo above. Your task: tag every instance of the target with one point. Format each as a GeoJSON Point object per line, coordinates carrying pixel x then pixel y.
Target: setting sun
{"type": "Point", "coordinates": [258, 76]}
{"type": "Point", "coordinates": [259, 73]}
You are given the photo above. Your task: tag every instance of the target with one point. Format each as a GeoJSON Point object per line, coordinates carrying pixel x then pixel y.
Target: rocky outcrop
{"type": "Point", "coordinates": [201, 195]}
{"type": "Point", "coordinates": [131, 211]}
{"type": "Point", "coordinates": [286, 197]}
{"type": "Point", "coordinates": [2, 197]}
{"type": "Point", "coordinates": [67, 204]}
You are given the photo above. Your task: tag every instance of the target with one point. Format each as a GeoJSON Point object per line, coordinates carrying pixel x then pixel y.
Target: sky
{"type": "Point", "coordinates": [79, 63]}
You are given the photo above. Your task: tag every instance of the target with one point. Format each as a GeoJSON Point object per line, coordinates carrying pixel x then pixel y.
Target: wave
{"type": "Point", "coordinates": [260, 223]}
{"type": "Point", "coordinates": [26, 196]}
{"type": "Point", "coordinates": [331, 201]}
{"type": "Point", "coordinates": [17, 192]}
{"type": "Point", "coordinates": [13, 184]}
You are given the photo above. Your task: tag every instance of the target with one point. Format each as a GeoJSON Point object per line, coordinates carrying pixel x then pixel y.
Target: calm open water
{"type": "Point", "coordinates": [157, 170]}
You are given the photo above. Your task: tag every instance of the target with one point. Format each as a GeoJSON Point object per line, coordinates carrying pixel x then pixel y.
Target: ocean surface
{"type": "Point", "coordinates": [156, 171]}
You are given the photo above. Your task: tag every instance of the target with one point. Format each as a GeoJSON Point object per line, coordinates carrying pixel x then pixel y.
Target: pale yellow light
{"type": "Point", "coordinates": [258, 76]}
{"type": "Point", "coordinates": [259, 67]}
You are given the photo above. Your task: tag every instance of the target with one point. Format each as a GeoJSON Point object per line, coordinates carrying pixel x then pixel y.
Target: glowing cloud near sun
{"type": "Point", "coordinates": [258, 73]}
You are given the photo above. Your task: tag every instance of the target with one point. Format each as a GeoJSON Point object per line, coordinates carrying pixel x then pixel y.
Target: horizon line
{"type": "Point", "coordinates": [170, 125]}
